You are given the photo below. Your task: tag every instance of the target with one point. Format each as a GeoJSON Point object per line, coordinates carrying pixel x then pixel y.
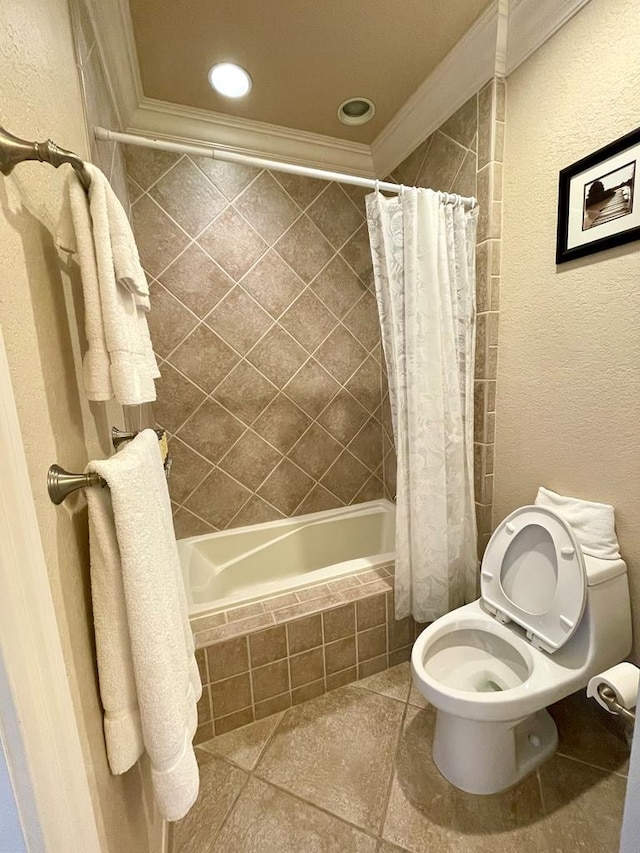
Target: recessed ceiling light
{"type": "Point", "coordinates": [356, 111]}
{"type": "Point", "coordinates": [230, 80]}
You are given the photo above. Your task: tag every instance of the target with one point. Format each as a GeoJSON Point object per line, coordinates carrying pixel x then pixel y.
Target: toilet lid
{"type": "Point", "coordinates": [533, 573]}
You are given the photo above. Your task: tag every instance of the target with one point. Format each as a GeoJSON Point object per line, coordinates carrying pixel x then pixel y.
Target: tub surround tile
{"type": "Point", "coordinates": [235, 629]}
{"type": "Point", "coordinates": [340, 655]}
{"type": "Point", "coordinates": [372, 643]}
{"type": "Point", "coordinates": [273, 705]}
{"type": "Point", "coordinates": [280, 601]}
{"type": "Point", "coordinates": [232, 721]}
{"type": "Point", "coordinates": [339, 679]}
{"type": "Point", "coordinates": [229, 178]}
{"type": "Point", "coordinates": [304, 634]}
{"type": "Point", "coordinates": [308, 692]}
{"type": "Point", "coordinates": [196, 280]}
{"type": "Point", "coordinates": [270, 680]}
{"type": "Point", "coordinates": [306, 667]}
{"type": "Point", "coordinates": [267, 660]}
{"type": "Point", "coordinates": [371, 612]}
{"type": "Point", "coordinates": [268, 646]}
{"type": "Point", "coordinates": [397, 656]}
{"type": "Point", "coordinates": [227, 659]}
{"type": "Point", "coordinates": [372, 666]}
{"type": "Point", "coordinates": [232, 694]}
{"type": "Point", "coordinates": [239, 320]}
{"type": "Point", "coordinates": [307, 607]}
{"type": "Point", "coordinates": [245, 612]}
{"type": "Point", "coordinates": [339, 623]}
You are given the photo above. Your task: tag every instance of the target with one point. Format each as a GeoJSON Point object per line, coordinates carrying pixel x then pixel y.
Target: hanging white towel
{"type": "Point", "coordinates": [149, 679]}
{"type": "Point", "coordinates": [593, 523]}
{"type": "Point", "coordinates": [75, 235]}
{"type": "Point", "coordinates": [96, 229]}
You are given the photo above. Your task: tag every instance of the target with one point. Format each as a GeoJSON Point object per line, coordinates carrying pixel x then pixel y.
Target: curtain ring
{"type": "Point", "coordinates": [402, 191]}
{"type": "Point", "coordinates": [377, 186]}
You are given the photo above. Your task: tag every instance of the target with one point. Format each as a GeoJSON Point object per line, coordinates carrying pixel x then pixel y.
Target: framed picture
{"type": "Point", "coordinates": [598, 205]}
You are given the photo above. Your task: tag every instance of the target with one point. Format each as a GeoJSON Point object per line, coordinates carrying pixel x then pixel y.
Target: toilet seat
{"type": "Point", "coordinates": [533, 573]}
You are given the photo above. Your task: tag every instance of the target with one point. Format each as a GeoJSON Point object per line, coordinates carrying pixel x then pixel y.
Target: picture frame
{"type": "Point", "coordinates": [599, 200]}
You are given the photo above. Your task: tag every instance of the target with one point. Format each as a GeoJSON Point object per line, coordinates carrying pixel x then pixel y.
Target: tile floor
{"type": "Point", "coordinates": [351, 772]}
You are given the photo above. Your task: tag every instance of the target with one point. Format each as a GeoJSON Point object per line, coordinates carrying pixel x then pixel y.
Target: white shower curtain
{"type": "Point", "coordinates": [423, 255]}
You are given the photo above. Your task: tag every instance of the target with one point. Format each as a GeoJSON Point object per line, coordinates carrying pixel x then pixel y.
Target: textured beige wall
{"type": "Point", "coordinates": [568, 408]}
{"type": "Point", "coordinates": [41, 98]}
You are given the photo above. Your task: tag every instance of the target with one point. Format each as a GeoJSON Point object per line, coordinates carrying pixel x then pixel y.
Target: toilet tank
{"type": "Point", "coordinates": [603, 637]}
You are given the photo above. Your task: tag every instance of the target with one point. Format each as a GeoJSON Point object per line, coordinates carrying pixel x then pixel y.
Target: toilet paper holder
{"type": "Point", "coordinates": [609, 698]}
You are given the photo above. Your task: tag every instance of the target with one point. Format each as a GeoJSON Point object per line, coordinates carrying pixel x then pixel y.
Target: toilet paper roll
{"type": "Point", "coordinates": [623, 679]}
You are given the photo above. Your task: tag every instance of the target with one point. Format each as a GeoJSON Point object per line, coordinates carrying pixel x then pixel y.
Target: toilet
{"type": "Point", "coordinates": [548, 619]}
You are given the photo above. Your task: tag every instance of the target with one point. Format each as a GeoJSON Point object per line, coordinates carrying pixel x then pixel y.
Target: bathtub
{"type": "Point", "coordinates": [246, 564]}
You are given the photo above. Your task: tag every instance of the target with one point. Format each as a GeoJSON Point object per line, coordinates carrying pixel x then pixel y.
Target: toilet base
{"type": "Point", "coordinates": [488, 757]}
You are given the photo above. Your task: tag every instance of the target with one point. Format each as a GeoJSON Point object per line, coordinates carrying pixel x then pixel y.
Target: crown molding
{"type": "Point", "coordinates": [463, 71]}
{"type": "Point", "coordinates": [113, 30]}
{"type": "Point", "coordinates": [532, 23]}
{"type": "Point", "coordinates": [191, 125]}
{"type": "Point", "coordinates": [499, 41]}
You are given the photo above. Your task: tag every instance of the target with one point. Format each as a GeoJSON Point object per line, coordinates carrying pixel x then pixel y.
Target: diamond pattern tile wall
{"type": "Point", "coordinates": [265, 322]}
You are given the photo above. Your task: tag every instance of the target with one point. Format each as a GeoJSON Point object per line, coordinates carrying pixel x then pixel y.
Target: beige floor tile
{"type": "Point", "coordinates": [425, 812]}
{"type": "Point", "coordinates": [583, 806]}
{"type": "Point", "coordinates": [220, 784]}
{"type": "Point", "coordinates": [587, 732]}
{"type": "Point", "coordinates": [337, 752]}
{"type": "Point", "coordinates": [387, 847]}
{"type": "Point", "coordinates": [266, 820]}
{"type": "Point", "coordinates": [416, 698]}
{"type": "Point", "coordinates": [243, 746]}
{"type": "Point", "coordinates": [394, 682]}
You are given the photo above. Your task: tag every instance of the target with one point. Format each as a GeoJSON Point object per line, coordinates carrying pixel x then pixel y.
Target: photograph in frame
{"type": "Point", "coordinates": [598, 206]}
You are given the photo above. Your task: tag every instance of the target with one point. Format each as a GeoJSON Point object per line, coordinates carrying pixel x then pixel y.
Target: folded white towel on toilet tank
{"type": "Point", "coordinates": [593, 523]}
{"type": "Point", "coordinates": [149, 680]}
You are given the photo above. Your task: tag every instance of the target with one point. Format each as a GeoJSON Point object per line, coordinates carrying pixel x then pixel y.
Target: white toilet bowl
{"type": "Point", "coordinates": [490, 668]}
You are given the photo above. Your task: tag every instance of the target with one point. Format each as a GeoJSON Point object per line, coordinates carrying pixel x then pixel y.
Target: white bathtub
{"type": "Point", "coordinates": [245, 564]}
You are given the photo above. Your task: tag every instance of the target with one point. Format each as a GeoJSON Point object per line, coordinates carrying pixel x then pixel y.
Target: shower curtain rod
{"type": "Point", "coordinates": [106, 135]}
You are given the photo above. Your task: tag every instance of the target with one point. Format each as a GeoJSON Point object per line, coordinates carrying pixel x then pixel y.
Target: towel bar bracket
{"type": "Point", "coordinates": [14, 150]}
{"type": "Point", "coordinates": [61, 483]}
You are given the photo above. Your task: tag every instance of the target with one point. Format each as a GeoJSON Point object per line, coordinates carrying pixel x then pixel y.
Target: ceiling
{"type": "Point", "coordinates": [305, 56]}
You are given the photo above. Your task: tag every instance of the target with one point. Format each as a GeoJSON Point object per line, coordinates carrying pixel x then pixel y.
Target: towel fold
{"type": "Point", "coordinates": [593, 523]}
{"type": "Point", "coordinates": [120, 361]}
{"type": "Point", "coordinates": [149, 681]}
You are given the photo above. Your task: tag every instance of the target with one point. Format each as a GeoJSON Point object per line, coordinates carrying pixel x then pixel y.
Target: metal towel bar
{"type": "Point", "coordinates": [61, 483]}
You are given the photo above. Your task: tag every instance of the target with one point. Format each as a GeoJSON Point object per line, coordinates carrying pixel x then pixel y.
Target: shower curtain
{"type": "Point", "coordinates": [423, 253]}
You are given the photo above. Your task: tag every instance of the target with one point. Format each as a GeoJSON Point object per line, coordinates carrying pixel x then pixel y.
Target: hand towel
{"type": "Point", "coordinates": [115, 292]}
{"type": "Point", "coordinates": [126, 260]}
{"type": "Point", "coordinates": [75, 236]}
{"type": "Point", "coordinates": [145, 645]}
{"type": "Point", "coordinates": [593, 523]}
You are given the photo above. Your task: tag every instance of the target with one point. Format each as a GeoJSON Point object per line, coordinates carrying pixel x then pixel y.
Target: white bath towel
{"type": "Point", "coordinates": [147, 669]}
{"type": "Point", "coordinates": [75, 235]}
{"type": "Point", "coordinates": [593, 523]}
{"type": "Point", "coordinates": [122, 292]}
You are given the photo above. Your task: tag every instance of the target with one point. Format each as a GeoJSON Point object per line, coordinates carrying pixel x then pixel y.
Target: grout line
{"type": "Point", "coordinates": [593, 766]}
{"type": "Point", "coordinates": [383, 819]}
